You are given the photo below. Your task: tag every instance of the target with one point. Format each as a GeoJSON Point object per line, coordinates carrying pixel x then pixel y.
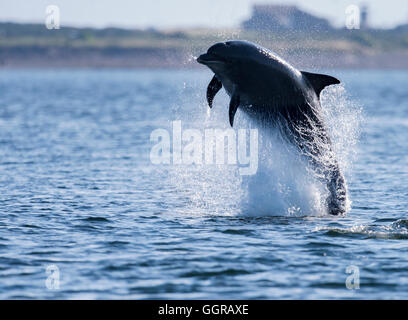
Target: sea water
{"type": "Point", "coordinates": [86, 214]}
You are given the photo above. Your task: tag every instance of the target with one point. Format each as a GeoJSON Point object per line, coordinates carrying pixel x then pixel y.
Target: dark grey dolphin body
{"type": "Point", "coordinates": [276, 94]}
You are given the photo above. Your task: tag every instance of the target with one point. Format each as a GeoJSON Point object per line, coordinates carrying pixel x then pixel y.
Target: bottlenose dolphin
{"type": "Point", "coordinates": [270, 90]}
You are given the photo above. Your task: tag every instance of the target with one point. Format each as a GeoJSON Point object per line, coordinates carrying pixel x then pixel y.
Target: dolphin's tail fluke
{"type": "Point", "coordinates": [337, 199]}
{"type": "Point", "coordinates": [312, 138]}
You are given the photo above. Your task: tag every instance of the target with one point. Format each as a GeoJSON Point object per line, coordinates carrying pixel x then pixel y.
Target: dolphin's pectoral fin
{"type": "Point", "coordinates": [213, 87]}
{"type": "Point", "coordinates": [319, 81]}
{"type": "Point", "coordinates": [233, 106]}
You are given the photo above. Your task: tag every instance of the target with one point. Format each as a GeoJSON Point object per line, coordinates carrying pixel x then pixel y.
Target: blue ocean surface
{"type": "Point", "coordinates": [85, 214]}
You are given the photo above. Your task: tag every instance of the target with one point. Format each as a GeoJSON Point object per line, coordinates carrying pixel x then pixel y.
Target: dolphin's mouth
{"type": "Point", "coordinates": [209, 58]}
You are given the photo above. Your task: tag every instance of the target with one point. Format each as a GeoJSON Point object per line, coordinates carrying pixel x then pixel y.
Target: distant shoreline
{"type": "Point", "coordinates": [176, 58]}
{"type": "Point", "coordinates": [34, 46]}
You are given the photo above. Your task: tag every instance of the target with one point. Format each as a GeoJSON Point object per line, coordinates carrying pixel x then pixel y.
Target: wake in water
{"type": "Point", "coordinates": [377, 230]}
{"type": "Point", "coordinates": [284, 184]}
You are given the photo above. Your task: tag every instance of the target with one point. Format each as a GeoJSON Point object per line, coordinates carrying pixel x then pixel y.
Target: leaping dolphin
{"type": "Point", "coordinates": [275, 93]}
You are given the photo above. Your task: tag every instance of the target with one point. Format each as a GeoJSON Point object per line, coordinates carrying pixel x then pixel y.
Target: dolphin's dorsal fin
{"type": "Point", "coordinates": [319, 81]}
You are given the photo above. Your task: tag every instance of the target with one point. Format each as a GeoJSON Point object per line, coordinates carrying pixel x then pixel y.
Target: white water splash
{"type": "Point", "coordinates": [284, 184]}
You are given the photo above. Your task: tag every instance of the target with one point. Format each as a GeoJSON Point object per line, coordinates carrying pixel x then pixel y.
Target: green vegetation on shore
{"type": "Point", "coordinates": [24, 38]}
{"type": "Point", "coordinates": [13, 34]}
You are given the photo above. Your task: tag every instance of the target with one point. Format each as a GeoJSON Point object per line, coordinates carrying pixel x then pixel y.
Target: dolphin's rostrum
{"type": "Point", "coordinates": [275, 93]}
